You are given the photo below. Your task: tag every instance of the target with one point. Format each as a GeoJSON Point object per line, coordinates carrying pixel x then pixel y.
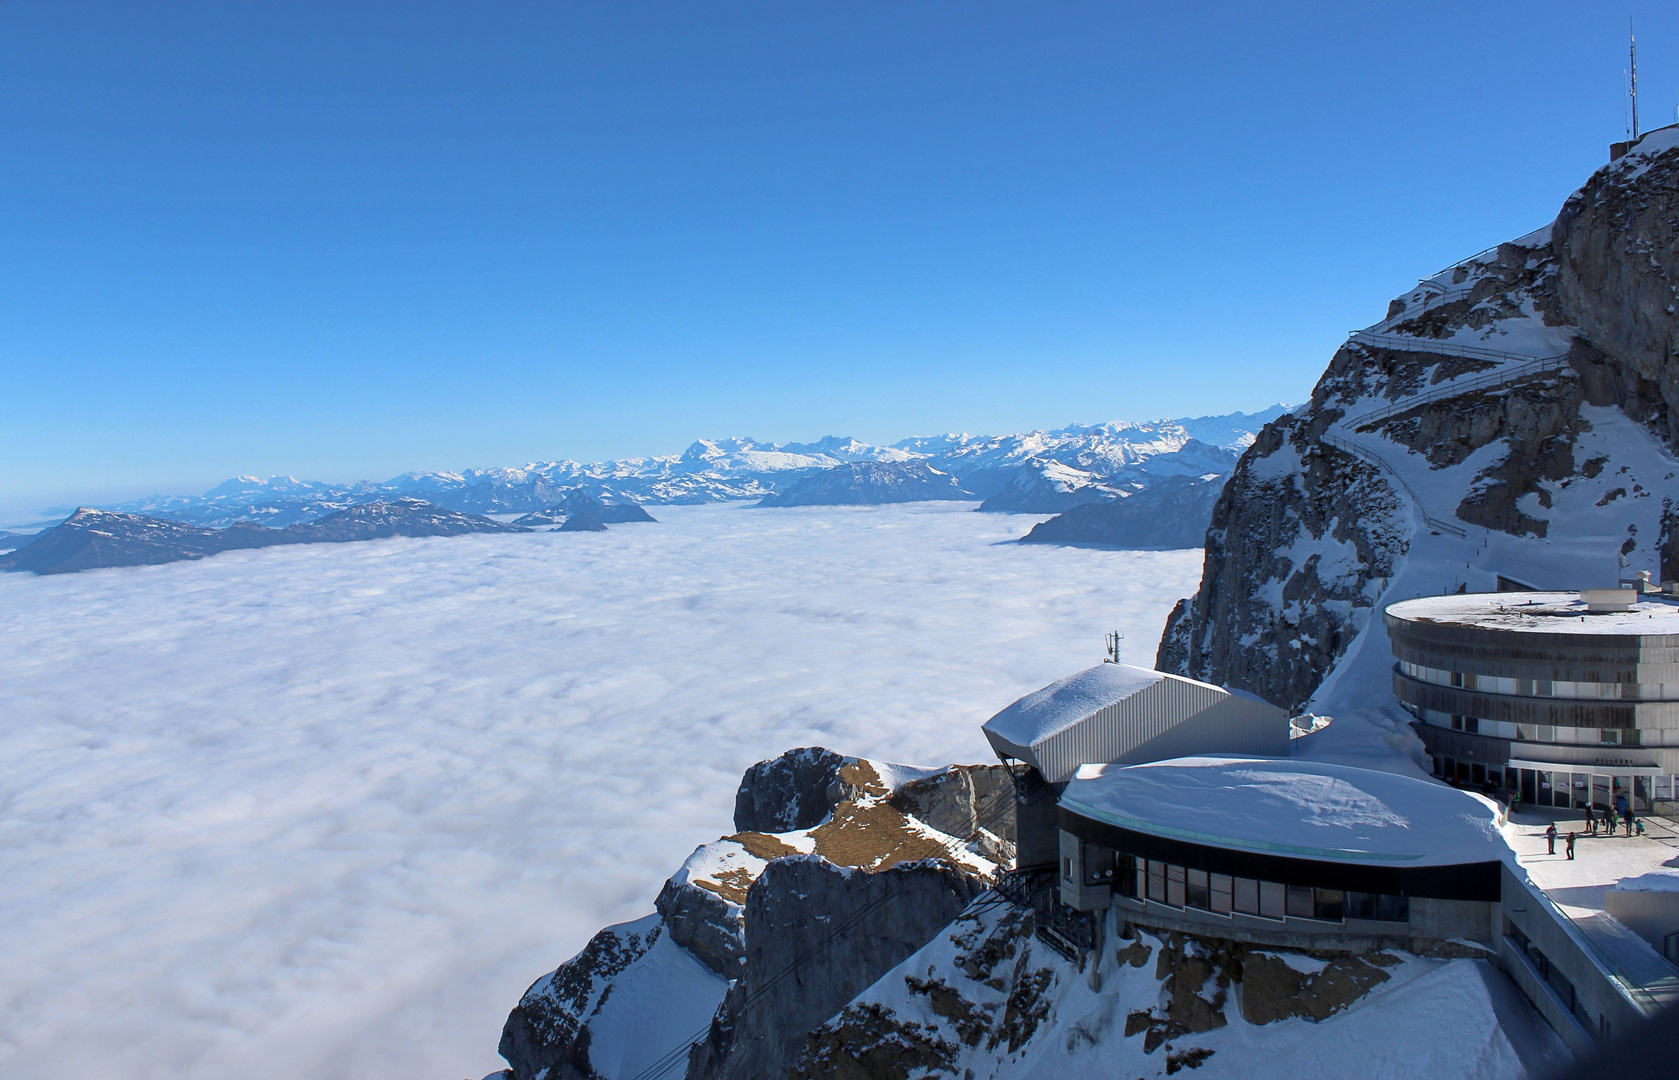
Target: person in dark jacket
{"type": "Point", "coordinates": [1568, 848]}
{"type": "Point", "coordinates": [1626, 818]}
{"type": "Point", "coordinates": [1591, 820]}
{"type": "Point", "coordinates": [1551, 839]}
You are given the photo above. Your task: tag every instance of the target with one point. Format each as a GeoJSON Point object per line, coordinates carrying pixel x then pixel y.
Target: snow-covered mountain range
{"type": "Point", "coordinates": [1036, 471]}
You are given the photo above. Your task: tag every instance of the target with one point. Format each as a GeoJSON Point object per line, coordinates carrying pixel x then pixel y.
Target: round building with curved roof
{"type": "Point", "coordinates": [1281, 850]}
{"type": "Point", "coordinates": [1570, 699]}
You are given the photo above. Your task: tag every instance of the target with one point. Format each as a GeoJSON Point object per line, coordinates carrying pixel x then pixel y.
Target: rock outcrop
{"type": "Point", "coordinates": [547, 1030]}
{"type": "Point", "coordinates": [826, 845]}
{"type": "Point", "coordinates": [796, 790]}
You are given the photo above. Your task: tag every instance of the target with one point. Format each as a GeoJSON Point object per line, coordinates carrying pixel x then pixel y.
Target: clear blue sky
{"type": "Point", "coordinates": [342, 240]}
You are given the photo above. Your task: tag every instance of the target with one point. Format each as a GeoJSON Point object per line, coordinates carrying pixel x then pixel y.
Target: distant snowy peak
{"type": "Point", "coordinates": [1103, 461]}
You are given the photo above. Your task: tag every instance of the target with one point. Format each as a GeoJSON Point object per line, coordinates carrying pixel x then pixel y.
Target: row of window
{"type": "Point", "coordinates": [1552, 733]}
{"type": "Point", "coordinates": [1548, 688]}
{"type": "Point", "coordinates": [1223, 894]}
{"type": "Point", "coordinates": [1559, 982]}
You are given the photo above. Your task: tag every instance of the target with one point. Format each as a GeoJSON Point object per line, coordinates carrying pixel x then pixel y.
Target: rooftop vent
{"type": "Point", "coordinates": [1598, 601]}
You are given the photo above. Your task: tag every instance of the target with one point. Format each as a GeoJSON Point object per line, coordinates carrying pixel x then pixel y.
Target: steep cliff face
{"type": "Point", "coordinates": [1508, 419]}
{"type": "Point", "coordinates": [818, 934]}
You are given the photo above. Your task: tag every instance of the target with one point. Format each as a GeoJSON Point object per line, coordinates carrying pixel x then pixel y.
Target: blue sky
{"type": "Point", "coordinates": [346, 240]}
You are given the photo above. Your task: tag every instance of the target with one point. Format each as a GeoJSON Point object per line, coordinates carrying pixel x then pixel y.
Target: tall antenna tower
{"type": "Point", "coordinates": [1632, 76]}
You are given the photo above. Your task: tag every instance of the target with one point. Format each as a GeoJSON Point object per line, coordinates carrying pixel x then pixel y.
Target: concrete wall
{"type": "Point", "coordinates": [1650, 915]}
{"type": "Point", "coordinates": [1037, 837]}
{"type": "Point", "coordinates": [1447, 919]}
{"type": "Point", "coordinates": [1075, 893]}
{"type": "Point", "coordinates": [1599, 1005]}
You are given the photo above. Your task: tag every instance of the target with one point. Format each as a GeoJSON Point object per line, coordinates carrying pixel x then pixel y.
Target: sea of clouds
{"type": "Point", "coordinates": [326, 811]}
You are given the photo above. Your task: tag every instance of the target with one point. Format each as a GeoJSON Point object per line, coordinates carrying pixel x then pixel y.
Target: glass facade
{"type": "Point", "coordinates": [1221, 894]}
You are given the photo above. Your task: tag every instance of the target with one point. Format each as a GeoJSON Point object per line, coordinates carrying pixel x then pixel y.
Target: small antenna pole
{"type": "Point", "coordinates": [1632, 75]}
{"type": "Point", "coordinates": [1114, 639]}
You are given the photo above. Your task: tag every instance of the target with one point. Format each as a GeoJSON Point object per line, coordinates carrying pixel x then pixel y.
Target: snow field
{"type": "Point", "coordinates": [326, 811]}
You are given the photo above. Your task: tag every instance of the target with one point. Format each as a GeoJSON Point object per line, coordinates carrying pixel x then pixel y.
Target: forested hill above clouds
{"type": "Point", "coordinates": [1513, 415]}
{"type": "Point", "coordinates": [1052, 468]}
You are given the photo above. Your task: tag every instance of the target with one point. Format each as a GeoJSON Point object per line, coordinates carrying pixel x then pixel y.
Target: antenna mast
{"type": "Point", "coordinates": [1114, 640]}
{"type": "Point", "coordinates": [1632, 76]}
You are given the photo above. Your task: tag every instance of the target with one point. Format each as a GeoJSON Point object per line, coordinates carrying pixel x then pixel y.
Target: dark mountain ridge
{"type": "Point", "coordinates": [94, 539]}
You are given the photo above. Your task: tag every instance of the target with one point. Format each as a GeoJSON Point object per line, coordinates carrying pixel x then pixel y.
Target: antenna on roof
{"type": "Point", "coordinates": [1632, 76]}
{"type": "Point", "coordinates": [1114, 638]}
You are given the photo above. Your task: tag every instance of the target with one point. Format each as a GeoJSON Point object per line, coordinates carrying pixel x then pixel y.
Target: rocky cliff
{"type": "Point", "coordinates": [1507, 421]}
{"type": "Point", "coordinates": [838, 869]}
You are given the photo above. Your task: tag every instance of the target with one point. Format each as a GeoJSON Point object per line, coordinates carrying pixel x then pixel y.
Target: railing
{"type": "Point", "coordinates": [1407, 343]}
{"type": "Point", "coordinates": [1369, 455]}
{"type": "Point", "coordinates": [1070, 933]}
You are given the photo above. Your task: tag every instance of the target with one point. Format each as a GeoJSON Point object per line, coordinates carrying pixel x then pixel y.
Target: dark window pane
{"type": "Point", "coordinates": [1393, 908]}
{"type": "Point", "coordinates": [1221, 887]}
{"type": "Point", "coordinates": [1300, 902]}
{"type": "Point", "coordinates": [1174, 885]}
{"type": "Point", "coordinates": [1329, 903]}
{"type": "Point", "coordinates": [1361, 905]}
{"type": "Point", "coordinates": [1246, 896]}
{"type": "Point", "coordinates": [1157, 880]}
{"type": "Point", "coordinates": [1272, 898]}
{"type": "Point", "coordinates": [1195, 891]}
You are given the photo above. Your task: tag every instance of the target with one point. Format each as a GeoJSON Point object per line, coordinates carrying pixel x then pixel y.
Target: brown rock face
{"type": "Point", "coordinates": [1617, 246]}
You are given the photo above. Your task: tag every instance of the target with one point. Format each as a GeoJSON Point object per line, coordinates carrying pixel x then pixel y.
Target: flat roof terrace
{"type": "Point", "coordinates": [1577, 887]}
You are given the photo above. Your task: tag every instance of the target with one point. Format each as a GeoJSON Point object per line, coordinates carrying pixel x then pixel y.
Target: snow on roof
{"type": "Point", "coordinates": [1289, 807]}
{"type": "Point", "coordinates": [1540, 612]}
{"type": "Point", "coordinates": [1065, 702]}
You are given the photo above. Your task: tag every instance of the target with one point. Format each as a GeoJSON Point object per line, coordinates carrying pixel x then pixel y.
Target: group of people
{"type": "Point", "coordinates": [1620, 809]}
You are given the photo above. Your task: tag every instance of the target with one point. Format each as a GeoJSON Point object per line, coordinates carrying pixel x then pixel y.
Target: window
{"type": "Point", "coordinates": [1221, 890]}
{"type": "Point", "coordinates": [1609, 737]}
{"type": "Point", "coordinates": [1300, 902]}
{"type": "Point", "coordinates": [1196, 894]}
{"type": "Point", "coordinates": [1245, 896]}
{"type": "Point", "coordinates": [1272, 900]}
{"type": "Point", "coordinates": [1174, 885]}
{"type": "Point", "coordinates": [1066, 867]}
{"type": "Point", "coordinates": [1125, 874]}
{"type": "Point", "coordinates": [1157, 880]}
{"type": "Point", "coordinates": [1629, 737]}
{"type": "Point", "coordinates": [1361, 905]}
{"type": "Point", "coordinates": [1471, 724]}
{"type": "Point", "coordinates": [1328, 904]}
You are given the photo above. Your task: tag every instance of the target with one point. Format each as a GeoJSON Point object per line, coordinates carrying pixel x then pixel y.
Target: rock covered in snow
{"type": "Point", "coordinates": [985, 1000]}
